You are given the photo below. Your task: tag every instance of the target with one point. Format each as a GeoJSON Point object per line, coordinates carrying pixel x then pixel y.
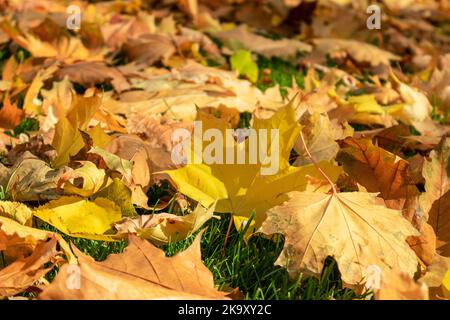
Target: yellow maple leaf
{"type": "Point", "coordinates": [99, 137]}
{"type": "Point", "coordinates": [366, 103]}
{"type": "Point", "coordinates": [118, 192]}
{"type": "Point", "coordinates": [241, 189]}
{"type": "Point", "coordinates": [31, 105]}
{"type": "Point", "coordinates": [78, 217]}
{"type": "Point", "coordinates": [68, 140]}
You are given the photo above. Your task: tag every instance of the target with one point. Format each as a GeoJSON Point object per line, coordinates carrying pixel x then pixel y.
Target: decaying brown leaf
{"type": "Point", "coordinates": [242, 37]}
{"type": "Point", "coordinates": [379, 171]}
{"type": "Point", "coordinates": [141, 272]}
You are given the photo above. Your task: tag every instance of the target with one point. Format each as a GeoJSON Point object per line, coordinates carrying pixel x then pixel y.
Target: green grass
{"type": "Point", "coordinates": [250, 266]}
{"type": "Point", "coordinates": [26, 125]}
{"type": "Point", "coordinates": [282, 73]}
{"type": "Point", "coordinates": [247, 266]}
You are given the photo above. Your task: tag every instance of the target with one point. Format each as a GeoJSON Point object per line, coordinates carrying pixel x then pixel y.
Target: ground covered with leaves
{"type": "Point", "coordinates": [330, 166]}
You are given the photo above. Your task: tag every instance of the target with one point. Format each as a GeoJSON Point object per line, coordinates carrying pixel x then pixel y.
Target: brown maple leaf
{"type": "Point", "coordinates": [141, 272]}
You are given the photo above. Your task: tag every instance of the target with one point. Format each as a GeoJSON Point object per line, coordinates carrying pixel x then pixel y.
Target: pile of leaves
{"type": "Point", "coordinates": [87, 117]}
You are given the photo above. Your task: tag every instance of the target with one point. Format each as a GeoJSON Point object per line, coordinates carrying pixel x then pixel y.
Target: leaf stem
{"type": "Point", "coordinates": [316, 164]}
{"type": "Point", "coordinates": [228, 232]}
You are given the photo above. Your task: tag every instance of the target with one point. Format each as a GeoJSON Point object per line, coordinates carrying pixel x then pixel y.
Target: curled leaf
{"type": "Point", "coordinates": [90, 180]}
{"type": "Point", "coordinates": [165, 227]}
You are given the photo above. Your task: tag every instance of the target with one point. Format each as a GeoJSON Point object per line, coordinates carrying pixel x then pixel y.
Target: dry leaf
{"type": "Point", "coordinates": [90, 73]}
{"type": "Point", "coordinates": [121, 195]}
{"type": "Point", "coordinates": [320, 135]}
{"type": "Point", "coordinates": [10, 115]}
{"type": "Point", "coordinates": [360, 51]}
{"type": "Point", "coordinates": [435, 200]}
{"type": "Point", "coordinates": [163, 228]}
{"type": "Point", "coordinates": [89, 180]}
{"type": "Point", "coordinates": [241, 38]}
{"type": "Point", "coordinates": [31, 179]}
{"type": "Point", "coordinates": [435, 275]}
{"type": "Point", "coordinates": [241, 188]}
{"type": "Point", "coordinates": [17, 211]}
{"type": "Point", "coordinates": [18, 241]}
{"type": "Point", "coordinates": [68, 140]}
{"type": "Point", "coordinates": [379, 171]}
{"type": "Point", "coordinates": [23, 273]}
{"type": "Point", "coordinates": [82, 218]}
{"type": "Point", "coordinates": [349, 227]}
{"type": "Point", "coordinates": [141, 272]}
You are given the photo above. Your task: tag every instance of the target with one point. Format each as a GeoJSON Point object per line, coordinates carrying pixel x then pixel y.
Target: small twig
{"type": "Point", "coordinates": [316, 164]}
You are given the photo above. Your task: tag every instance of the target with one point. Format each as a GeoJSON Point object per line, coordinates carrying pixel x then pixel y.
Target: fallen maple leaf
{"type": "Point", "coordinates": [435, 277]}
{"type": "Point", "coordinates": [349, 227]}
{"type": "Point", "coordinates": [360, 51]}
{"type": "Point", "coordinates": [243, 63]}
{"type": "Point", "coordinates": [31, 103]}
{"type": "Point", "coordinates": [366, 103]}
{"type": "Point", "coordinates": [149, 48]}
{"type": "Point", "coordinates": [141, 272]}
{"type": "Point", "coordinates": [178, 94]}
{"type": "Point", "coordinates": [157, 131]}
{"type": "Point", "coordinates": [379, 171]}
{"type": "Point", "coordinates": [68, 140]}
{"type": "Point", "coordinates": [240, 189]}
{"type": "Point", "coordinates": [241, 38]}
{"type": "Point", "coordinates": [82, 218]}
{"type": "Point", "coordinates": [144, 159]}
{"type": "Point", "coordinates": [163, 228]}
{"type": "Point", "coordinates": [416, 108]}
{"type": "Point", "coordinates": [120, 194]}
{"type": "Point", "coordinates": [90, 73]}
{"type": "Point", "coordinates": [99, 138]}
{"type": "Point", "coordinates": [63, 48]}
{"type": "Point", "coordinates": [320, 136]}
{"type": "Point", "coordinates": [190, 7]}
